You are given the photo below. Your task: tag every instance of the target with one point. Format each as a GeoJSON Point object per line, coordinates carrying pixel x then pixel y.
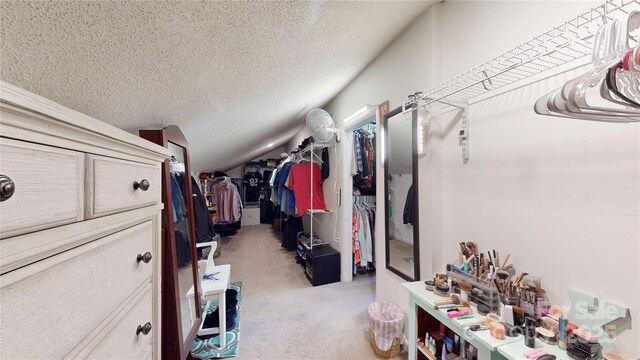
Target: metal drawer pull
{"type": "Point", "coordinates": [144, 258]}
{"type": "Point", "coordinates": [145, 330]}
{"type": "Point", "coordinates": [142, 185]}
{"type": "Point", "coordinates": [7, 187]}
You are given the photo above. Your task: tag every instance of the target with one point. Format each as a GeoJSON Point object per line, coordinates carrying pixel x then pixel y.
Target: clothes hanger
{"type": "Point", "coordinates": [573, 95]}
{"type": "Point", "coordinates": [635, 61]}
{"type": "Point", "coordinates": [557, 103]}
{"type": "Point", "coordinates": [625, 46]}
{"type": "Point", "coordinates": [621, 44]}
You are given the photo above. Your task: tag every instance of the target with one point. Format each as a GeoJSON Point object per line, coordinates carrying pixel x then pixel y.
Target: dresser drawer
{"type": "Point", "coordinates": [110, 185]}
{"type": "Point", "coordinates": [123, 341]}
{"type": "Point", "coordinates": [49, 187]}
{"type": "Point", "coordinates": [67, 296]}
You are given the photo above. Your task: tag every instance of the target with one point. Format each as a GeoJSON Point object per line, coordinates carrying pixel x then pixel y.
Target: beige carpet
{"type": "Point", "coordinates": [283, 316]}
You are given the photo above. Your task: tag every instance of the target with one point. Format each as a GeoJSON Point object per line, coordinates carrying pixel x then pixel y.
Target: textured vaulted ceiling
{"type": "Point", "coordinates": [234, 76]}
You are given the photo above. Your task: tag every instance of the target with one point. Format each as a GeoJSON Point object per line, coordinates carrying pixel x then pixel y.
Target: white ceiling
{"type": "Point", "coordinates": [234, 76]}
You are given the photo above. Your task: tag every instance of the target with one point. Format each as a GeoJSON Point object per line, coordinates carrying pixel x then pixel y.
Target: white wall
{"type": "Point", "coordinates": [562, 196]}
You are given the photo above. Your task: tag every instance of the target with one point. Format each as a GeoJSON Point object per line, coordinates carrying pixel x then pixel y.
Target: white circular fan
{"type": "Point", "coordinates": [321, 125]}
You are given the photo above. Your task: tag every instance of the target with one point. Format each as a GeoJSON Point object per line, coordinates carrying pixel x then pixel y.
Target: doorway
{"type": "Point", "coordinates": [359, 153]}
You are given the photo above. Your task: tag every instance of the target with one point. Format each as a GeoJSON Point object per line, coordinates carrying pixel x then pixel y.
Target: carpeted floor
{"type": "Point", "coordinates": [283, 316]}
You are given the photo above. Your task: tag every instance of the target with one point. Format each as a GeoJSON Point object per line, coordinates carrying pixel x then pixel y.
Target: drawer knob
{"type": "Point", "coordinates": [144, 329]}
{"type": "Point", "coordinates": [145, 258]}
{"type": "Point", "coordinates": [142, 185]}
{"type": "Point", "coordinates": [7, 187]}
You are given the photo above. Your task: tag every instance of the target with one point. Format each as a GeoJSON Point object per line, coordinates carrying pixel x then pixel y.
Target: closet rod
{"type": "Point", "coordinates": [562, 44]}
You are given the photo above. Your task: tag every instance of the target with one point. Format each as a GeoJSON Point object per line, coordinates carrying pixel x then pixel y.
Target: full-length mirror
{"type": "Point", "coordinates": [181, 317]}
{"type": "Point", "coordinates": [401, 194]}
{"type": "Point", "coordinates": [182, 231]}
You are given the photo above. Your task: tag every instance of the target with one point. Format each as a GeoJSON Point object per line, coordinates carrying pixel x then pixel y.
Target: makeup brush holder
{"type": "Point", "coordinates": [510, 300]}
{"type": "Point", "coordinates": [529, 308]}
{"type": "Point", "coordinates": [482, 291]}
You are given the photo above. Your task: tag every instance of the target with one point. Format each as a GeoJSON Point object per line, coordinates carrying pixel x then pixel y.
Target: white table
{"type": "Point", "coordinates": [515, 350]}
{"type": "Point", "coordinates": [211, 288]}
{"type": "Point", "coordinates": [487, 345]}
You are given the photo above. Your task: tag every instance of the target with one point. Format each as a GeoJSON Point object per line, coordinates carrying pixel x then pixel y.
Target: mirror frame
{"type": "Point", "coordinates": [414, 170]}
{"type": "Point", "coordinates": [171, 313]}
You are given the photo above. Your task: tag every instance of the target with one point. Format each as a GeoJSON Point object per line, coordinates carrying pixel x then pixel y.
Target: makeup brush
{"type": "Point", "coordinates": [502, 275]}
{"type": "Point", "coordinates": [510, 269]}
{"type": "Point", "coordinates": [495, 281]}
{"type": "Point", "coordinates": [473, 248]}
{"type": "Point", "coordinates": [451, 306]}
{"type": "Point", "coordinates": [455, 299]}
{"type": "Point", "coordinates": [504, 264]}
{"type": "Point", "coordinates": [496, 256]}
{"type": "Point", "coordinates": [464, 286]}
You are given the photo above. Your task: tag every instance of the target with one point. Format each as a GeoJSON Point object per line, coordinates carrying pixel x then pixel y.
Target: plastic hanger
{"type": "Point", "coordinates": [569, 101]}
{"type": "Point", "coordinates": [635, 61]}
{"type": "Point", "coordinates": [625, 45]}
{"type": "Point", "coordinates": [573, 94]}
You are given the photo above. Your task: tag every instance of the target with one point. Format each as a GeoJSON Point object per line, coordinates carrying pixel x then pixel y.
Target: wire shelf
{"type": "Point", "coordinates": [561, 45]}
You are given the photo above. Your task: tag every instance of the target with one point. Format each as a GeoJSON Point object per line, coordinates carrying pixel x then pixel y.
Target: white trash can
{"type": "Point", "coordinates": [386, 322]}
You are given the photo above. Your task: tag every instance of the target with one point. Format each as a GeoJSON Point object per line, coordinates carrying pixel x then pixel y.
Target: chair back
{"type": "Point", "coordinates": [214, 246]}
{"type": "Point", "coordinates": [202, 268]}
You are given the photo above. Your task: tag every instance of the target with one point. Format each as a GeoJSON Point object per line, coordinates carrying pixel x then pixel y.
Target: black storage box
{"type": "Point", "coordinates": [322, 265]}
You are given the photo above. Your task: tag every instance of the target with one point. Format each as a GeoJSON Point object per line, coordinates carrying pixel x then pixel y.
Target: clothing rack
{"type": "Point", "coordinates": [560, 45]}
{"type": "Point", "coordinates": [564, 44]}
{"type": "Point", "coordinates": [370, 127]}
{"type": "Point", "coordinates": [298, 155]}
{"type": "Point", "coordinates": [364, 199]}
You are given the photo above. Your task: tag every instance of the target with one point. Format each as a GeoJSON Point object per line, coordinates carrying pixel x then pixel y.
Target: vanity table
{"type": "Point", "coordinates": [422, 315]}
{"type": "Point", "coordinates": [421, 301]}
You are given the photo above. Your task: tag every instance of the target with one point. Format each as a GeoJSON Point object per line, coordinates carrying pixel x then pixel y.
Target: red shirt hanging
{"type": "Point", "coordinates": [300, 183]}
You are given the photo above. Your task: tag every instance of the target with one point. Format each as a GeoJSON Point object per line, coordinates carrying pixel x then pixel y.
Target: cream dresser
{"type": "Point", "coordinates": [79, 235]}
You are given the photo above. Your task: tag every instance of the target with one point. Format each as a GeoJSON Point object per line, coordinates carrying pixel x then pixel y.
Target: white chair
{"type": "Point", "coordinates": [202, 270]}
{"type": "Point", "coordinates": [210, 288]}
{"type": "Point", "coordinates": [214, 246]}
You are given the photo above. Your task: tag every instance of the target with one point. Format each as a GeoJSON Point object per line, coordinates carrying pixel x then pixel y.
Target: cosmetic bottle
{"type": "Point", "coordinates": [530, 332]}
{"type": "Point", "coordinates": [563, 324]}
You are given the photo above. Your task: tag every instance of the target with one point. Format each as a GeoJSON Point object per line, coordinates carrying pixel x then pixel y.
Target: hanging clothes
{"type": "Point", "coordinates": [180, 217]}
{"type": "Point", "coordinates": [204, 225]}
{"type": "Point", "coordinates": [408, 215]}
{"type": "Point", "coordinates": [325, 164]}
{"type": "Point", "coordinates": [363, 233]}
{"type": "Point", "coordinates": [287, 198]}
{"type": "Point", "coordinates": [226, 198]}
{"type": "Point", "coordinates": [363, 164]}
{"type": "Point", "coordinates": [304, 178]}
{"type": "Point", "coordinates": [252, 182]}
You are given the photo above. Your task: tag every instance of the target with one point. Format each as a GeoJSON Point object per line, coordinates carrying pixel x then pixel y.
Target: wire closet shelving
{"type": "Point", "coordinates": [561, 45]}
